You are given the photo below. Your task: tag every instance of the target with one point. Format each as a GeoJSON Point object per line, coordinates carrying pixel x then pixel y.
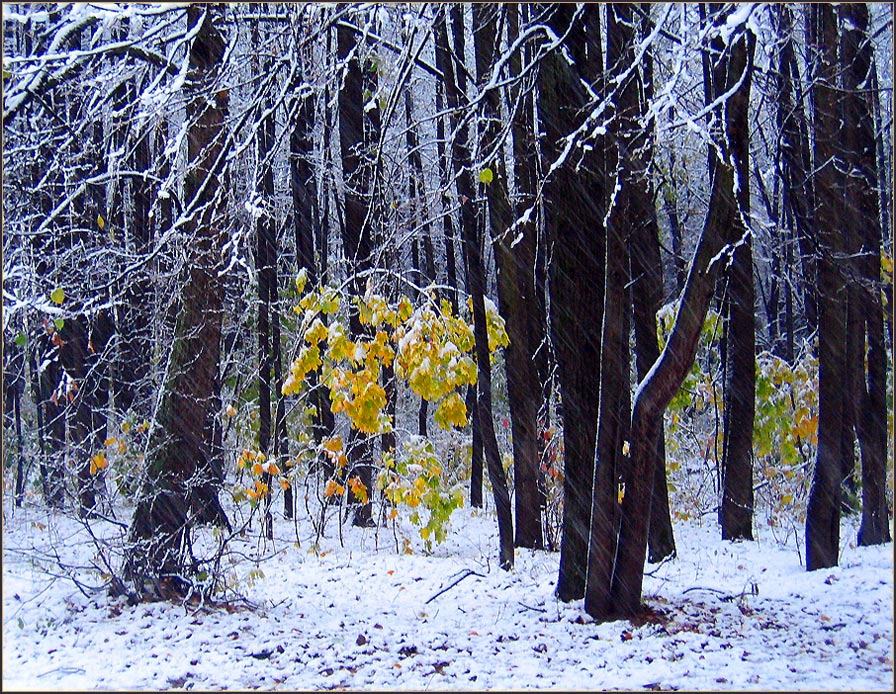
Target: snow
{"type": "Point", "coordinates": [365, 615]}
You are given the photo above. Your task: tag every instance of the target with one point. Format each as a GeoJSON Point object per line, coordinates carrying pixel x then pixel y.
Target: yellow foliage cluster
{"type": "Point", "coordinates": [431, 348]}
{"type": "Point", "coordinates": [415, 480]}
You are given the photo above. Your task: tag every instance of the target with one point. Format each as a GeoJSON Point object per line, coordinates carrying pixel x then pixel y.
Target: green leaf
{"type": "Point", "coordinates": [59, 323]}
{"type": "Point", "coordinates": [57, 296]}
{"type": "Point", "coordinates": [21, 339]}
{"type": "Point", "coordinates": [486, 176]}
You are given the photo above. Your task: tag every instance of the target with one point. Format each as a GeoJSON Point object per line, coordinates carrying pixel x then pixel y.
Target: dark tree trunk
{"type": "Point", "coordinates": [447, 167]}
{"type": "Point", "coordinates": [13, 389]}
{"type": "Point", "coordinates": [869, 404]}
{"type": "Point", "coordinates": [52, 404]}
{"type": "Point", "coordinates": [646, 280]}
{"type": "Point", "coordinates": [515, 261]}
{"type": "Point", "coordinates": [51, 474]}
{"type": "Point", "coordinates": [83, 342]}
{"type": "Point", "coordinates": [455, 87]}
{"type": "Point", "coordinates": [574, 207]}
{"type": "Point", "coordinates": [823, 512]}
{"type": "Point", "coordinates": [614, 408]}
{"type": "Point", "coordinates": [133, 315]}
{"type": "Point", "coordinates": [266, 269]}
{"type": "Point", "coordinates": [424, 262]}
{"type": "Point", "coordinates": [357, 233]}
{"type": "Point", "coordinates": [668, 373]}
{"type": "Point", "coordinates": [736, 513]}
{"type": "Point", "coordinates": [307, 220]}
{"type": "Point", "coordinates": [798, 184]}
{"type": "Point", "coordinates": [179, 490]}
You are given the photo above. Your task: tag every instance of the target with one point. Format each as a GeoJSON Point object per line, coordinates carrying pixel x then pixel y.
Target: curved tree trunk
{"type": "Point", "coordinates": [717, 243]}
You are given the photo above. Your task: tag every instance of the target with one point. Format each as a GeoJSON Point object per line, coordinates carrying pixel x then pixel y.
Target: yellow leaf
{"type": "Point", "coordinates": [333, 444]}
{"type": "Point", "coordinates": [284, 483]}
{"type": "Point", "coordinates": [100, 222]}
{"type": "Point", "coordinates": [317, 332]}
{"type": "Point", "coordinates": [452, 411]}
{"type": "Point", "coordinates": [110, 441]}
{"type": "Point", "coordinates": [626, 448]}
{"type": "Point", "coordinates": [620, 493]}
{"type": "Point", "coordinates": [257, 469]}
{"type": "Point", "coordinates": [301, 280]}
{"type": "Point", "coordinates": [230, 411]}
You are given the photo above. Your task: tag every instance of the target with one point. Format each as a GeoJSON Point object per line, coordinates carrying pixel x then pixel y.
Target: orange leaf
{"type": "Point", "coordinates": [333, 487]}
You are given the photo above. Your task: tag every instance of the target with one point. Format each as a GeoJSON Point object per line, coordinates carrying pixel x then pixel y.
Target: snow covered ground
{"type": "Point", "coordinates": [361, 615]}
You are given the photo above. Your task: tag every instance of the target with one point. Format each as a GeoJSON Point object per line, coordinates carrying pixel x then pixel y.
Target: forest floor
{"type": "Point", "coordinates": [361, 614]}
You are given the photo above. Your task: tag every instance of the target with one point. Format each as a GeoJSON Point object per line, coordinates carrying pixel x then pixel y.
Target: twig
{"type": "Point", "coordinates": [469, 572]}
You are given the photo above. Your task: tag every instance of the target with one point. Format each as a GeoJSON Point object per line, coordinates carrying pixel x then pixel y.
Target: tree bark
{"type": "Point", "coordinates": [736, 513]}
{"type": "Point", "coordinates": [798, 183]}
{"type": "Point", "coordinates": [823, 511]}
{"type": "Point", "coordinates": [179, 490]}
{"type": "Point", "coordinates": [266, 270]}
{"type": "Point", "coordinates": [869, 405]}
{"type": "Point", "coordinates": [574, 209]}
{"type": "Point", "coordinates": [515, 262]}
{"type": "Point", "coordinates": [357, 233]}
{"type": "Point", "coordinates": [461, 154]}
{"type": "Point", "coordinates": [716, 245]}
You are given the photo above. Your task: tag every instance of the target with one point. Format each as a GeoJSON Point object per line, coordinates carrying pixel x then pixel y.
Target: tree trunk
{"type": "Point", "coordinates": [716, 244]}
{"type": "Point", "coordinates": [798, 184]}
{"type": "Point", "coordinates": [454, 88]}
{"type": "Point", "coordinates": [266, 270]}
{"type": "Point", "coordinates": [869, 405]}
{"type": "Point", "coordinates": [515, 261]}
{"type": "Point", "coordinates": [178, 491]}
{"type": "Point", "coordinates": [307, 220]}
{"type": "Point", "coordinates": [646, 279]}
{"type": "Point", "coordinates": [823, 512]}
{"type": "Point", "coordinates": [736, 513]}
{"type": "Point", "coordinates": [356, 231]}
{"type": "Point", "coordinates": [574, 210]}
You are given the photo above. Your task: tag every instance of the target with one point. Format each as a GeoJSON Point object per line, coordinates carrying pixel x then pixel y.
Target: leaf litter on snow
{"type": "Point", "coordinates": [361, 615]}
